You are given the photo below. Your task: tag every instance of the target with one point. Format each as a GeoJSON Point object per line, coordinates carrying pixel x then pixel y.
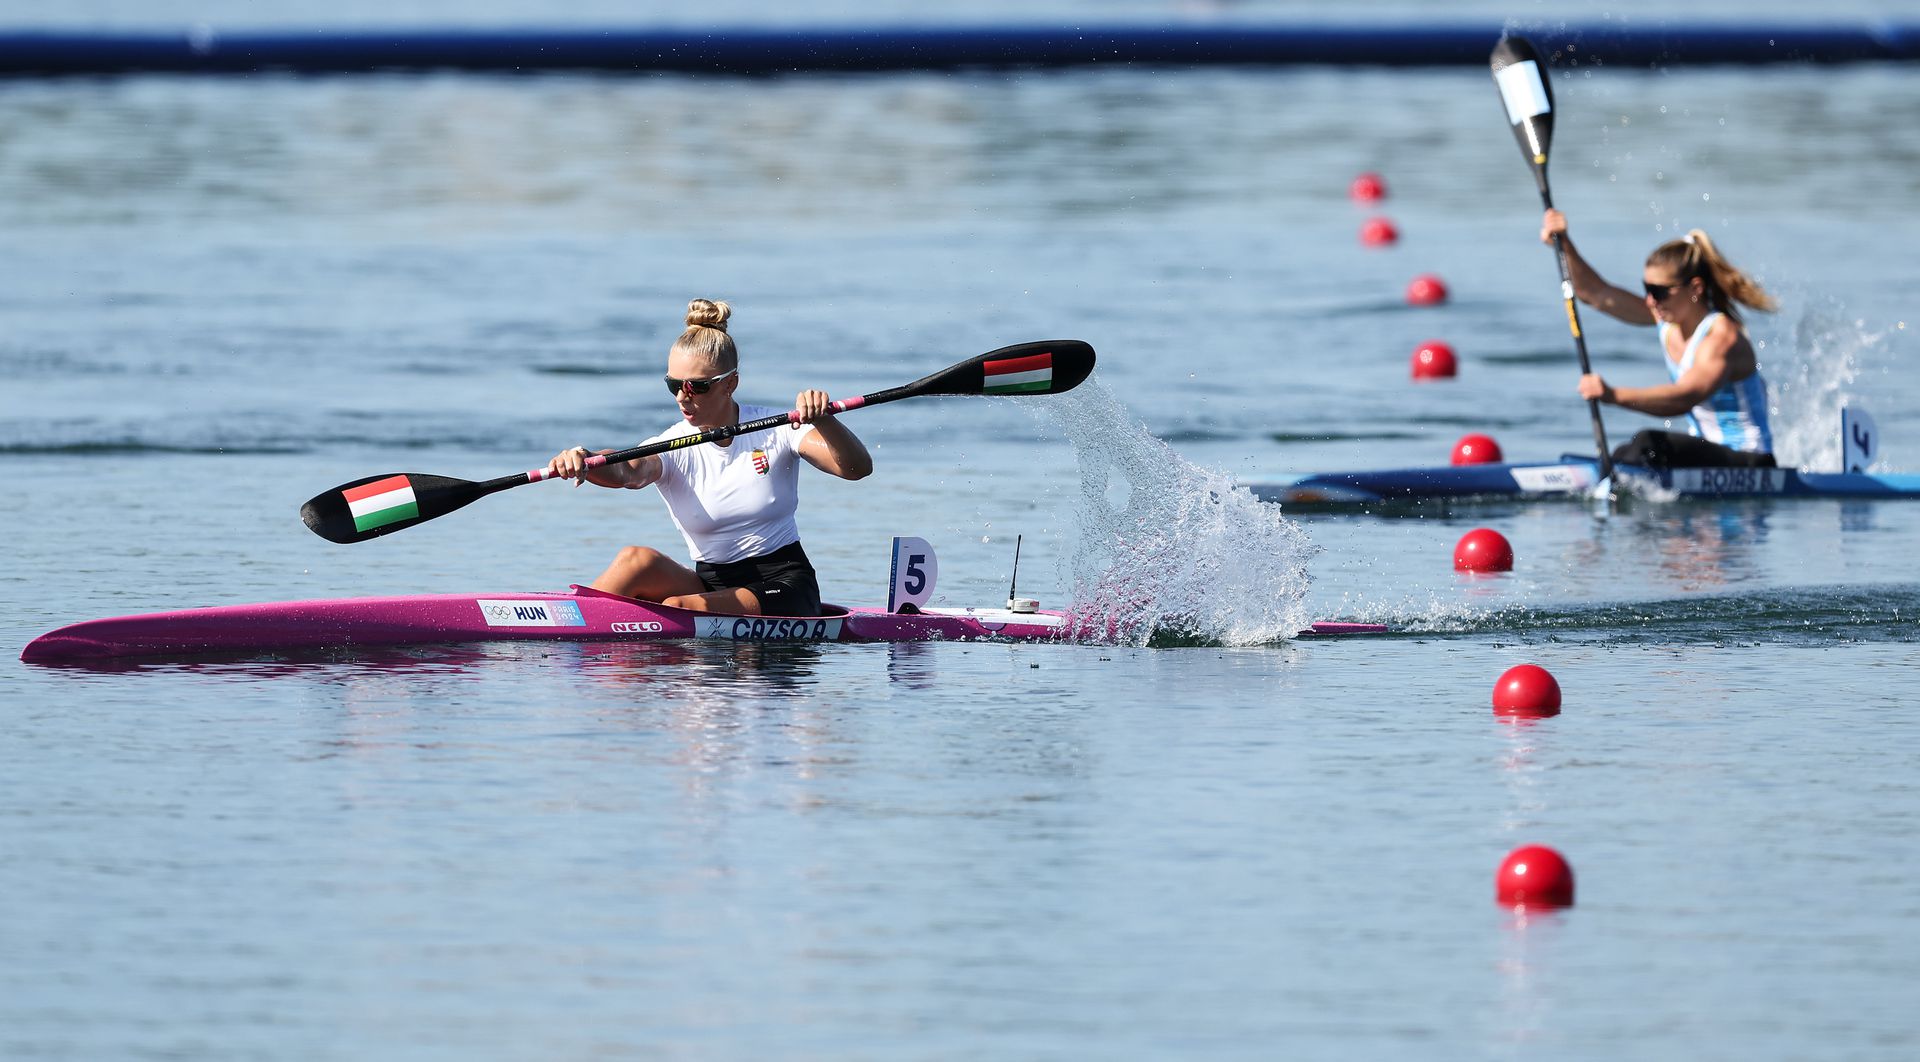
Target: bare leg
{"type": "Point", "coordinates": [739, 601]}
{"type": "Point", "coordinates": [649, 575]}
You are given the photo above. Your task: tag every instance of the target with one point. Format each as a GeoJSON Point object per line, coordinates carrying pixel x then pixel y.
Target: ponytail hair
{"type": "Point", "coordinates": [1696, 256]}
{"type": "Point", "coordinates": [706, 335]}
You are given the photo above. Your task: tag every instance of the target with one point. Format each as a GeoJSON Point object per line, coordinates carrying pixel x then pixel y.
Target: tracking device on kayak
{"type": "Point", "coordinates": [1016, 603]}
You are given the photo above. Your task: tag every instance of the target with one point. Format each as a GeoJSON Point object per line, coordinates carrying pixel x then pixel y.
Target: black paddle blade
{"type": "Point", "coordinates": [1049, 367]}
{"type": "Point", "coordinates": [378, 505]}
{"type": "Point", "coordinates": [1528, 94]}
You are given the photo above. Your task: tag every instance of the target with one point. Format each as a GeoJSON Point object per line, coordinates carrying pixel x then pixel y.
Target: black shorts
{"type": "Point", "coordinates": [782, 581]}
{"type": "Point", "coordinates": [1671, 449]}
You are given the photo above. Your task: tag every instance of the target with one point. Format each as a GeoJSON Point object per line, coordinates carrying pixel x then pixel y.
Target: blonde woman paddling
{"type": "Point", "coordinates": [1693, 296]}
{"type": "Point", "coordinates": [732, 500]}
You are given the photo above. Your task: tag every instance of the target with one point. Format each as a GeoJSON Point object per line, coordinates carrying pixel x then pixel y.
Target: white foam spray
{"type": "Point", "coordinates": [1811, 376]}
{"type": "Point", "coordinates": [1169, 551]}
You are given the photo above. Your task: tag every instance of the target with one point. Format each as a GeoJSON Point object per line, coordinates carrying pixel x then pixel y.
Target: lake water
{"type": "Point", "coordinates": [219, 297]}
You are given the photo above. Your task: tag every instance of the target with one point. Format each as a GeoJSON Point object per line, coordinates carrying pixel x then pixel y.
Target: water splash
{"type": "Point", "coordinates": [1813, 377]}
{"type": "Point", "coordinates": [1424, 613]}
{"type": "Point", "coordinates": [1170, 552]}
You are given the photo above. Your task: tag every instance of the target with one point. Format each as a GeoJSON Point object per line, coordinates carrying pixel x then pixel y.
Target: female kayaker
{"type": "Point", "coordinates": [1693, 295]}
{"type": "Point", "coordinates": [734, 500]}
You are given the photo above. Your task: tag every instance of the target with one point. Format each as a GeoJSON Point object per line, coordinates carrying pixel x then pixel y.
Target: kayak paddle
{"type": "Point", "coordinates": [378, 505]}
{"type": "Point", "coordinates": [1528, 96]}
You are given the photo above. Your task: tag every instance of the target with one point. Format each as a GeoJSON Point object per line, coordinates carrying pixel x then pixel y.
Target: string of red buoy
{"type": "Point", "coordinates": [1532, 875]}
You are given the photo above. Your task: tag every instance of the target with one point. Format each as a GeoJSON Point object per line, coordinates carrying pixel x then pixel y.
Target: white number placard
{"type": "Point", "coordinates": [1859, 440]}
{"type": "Point", "coordinates": [914, 572]}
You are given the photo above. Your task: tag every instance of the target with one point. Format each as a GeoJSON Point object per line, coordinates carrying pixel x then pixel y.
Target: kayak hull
{"type": "Point", "coordinates": [582, 615]}
{"type": "Point", "coordinates": [1573, 476]}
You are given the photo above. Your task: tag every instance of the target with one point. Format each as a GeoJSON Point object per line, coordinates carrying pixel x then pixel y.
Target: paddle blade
{"type": "Point", "coordinates": [378, 505]}
{"type": "Point", "coordinates": [1528, 95]}
{"type": "Point", "coordinates": [1045, 368]}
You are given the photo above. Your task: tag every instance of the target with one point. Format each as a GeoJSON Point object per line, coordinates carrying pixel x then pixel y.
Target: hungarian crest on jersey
{"type": "Point", "coordinates": [760, 461]}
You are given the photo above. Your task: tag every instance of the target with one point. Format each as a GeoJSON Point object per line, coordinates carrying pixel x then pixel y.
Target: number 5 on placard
{"type": "Point", "coordinates": [914, 571]}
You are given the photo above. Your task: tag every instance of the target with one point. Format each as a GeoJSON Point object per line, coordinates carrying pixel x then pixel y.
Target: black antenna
{"type": "Point", "coordinates": [1014, 583]}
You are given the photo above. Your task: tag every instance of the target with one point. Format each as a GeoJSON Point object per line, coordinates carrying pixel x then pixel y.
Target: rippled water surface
{"type": "Point", "coordinates": [220, 297]}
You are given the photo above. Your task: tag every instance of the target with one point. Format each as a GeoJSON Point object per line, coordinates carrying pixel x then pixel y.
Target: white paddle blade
{"type": "Point", "coordinates": [1524, 93]}
{"type": "Point", "coordinates": [1859, 440]}
{"type": "Point", "coordinates": [1527, 95]}
{"type": "Point", "coordinates": [915, 569]}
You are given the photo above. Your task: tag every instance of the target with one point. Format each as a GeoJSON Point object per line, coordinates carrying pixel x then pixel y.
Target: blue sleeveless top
{"type": "Point", "coordinates": [1735, 416]}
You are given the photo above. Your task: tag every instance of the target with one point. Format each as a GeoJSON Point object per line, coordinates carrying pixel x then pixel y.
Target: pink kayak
{"type": "Point", "coordinates": [582, 615]}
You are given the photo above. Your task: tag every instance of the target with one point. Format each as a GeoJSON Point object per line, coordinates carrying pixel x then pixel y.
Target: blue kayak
{"type": "Point", "coordinates": [1574, 475]}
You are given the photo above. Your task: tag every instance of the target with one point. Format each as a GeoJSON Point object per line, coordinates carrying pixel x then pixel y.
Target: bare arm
{"type": "Point", "coordinates": [831, 448]}
{"type": "Point", "coordinates": [1709, 372]}
{"type": "Point", "coordinates": [1588, 285]}
{"type": "Point", "coordinates": [639, 472]}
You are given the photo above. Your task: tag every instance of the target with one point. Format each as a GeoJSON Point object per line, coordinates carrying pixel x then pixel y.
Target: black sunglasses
{"type": "Point", "coordinates": [698, 387]}
{"type": "Point", "coordinates": [1659, 292]}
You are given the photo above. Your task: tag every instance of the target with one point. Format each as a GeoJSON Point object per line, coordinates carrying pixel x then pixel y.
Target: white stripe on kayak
{"type": "Point", "coordinates": [1711, 481]}
{"type": "Point", "coordinates": [768, 628]}
{"type": "Point", "coordinates": [1554, 479]}
{"type": "Point", "coordinates": [511, 613]}
{"type": "Point", "coordinates": [1000, 616]}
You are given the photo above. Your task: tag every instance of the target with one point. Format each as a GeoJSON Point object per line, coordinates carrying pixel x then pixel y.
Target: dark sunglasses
{"type": "Point", "coordinates": [1659, 292]}
{"type": "Point", "coordinates": [698, 387]}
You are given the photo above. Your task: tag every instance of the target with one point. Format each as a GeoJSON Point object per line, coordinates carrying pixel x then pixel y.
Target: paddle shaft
{"type": "Point", "coordinates": [1573, 324]}
{"type": "Point", "coordinates": [711, 435]}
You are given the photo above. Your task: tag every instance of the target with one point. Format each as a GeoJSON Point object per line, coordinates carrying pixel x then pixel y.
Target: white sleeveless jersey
{"type": "Point", "coordinates": [1735, 416]}
{"type": "Point", "coordinates": [734, 502]}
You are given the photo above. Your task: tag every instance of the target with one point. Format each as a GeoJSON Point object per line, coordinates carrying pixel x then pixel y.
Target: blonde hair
{"type": "Point", "coordinates": [1696, 256]}
{"type": "Point", "coordinates": [706, 335]}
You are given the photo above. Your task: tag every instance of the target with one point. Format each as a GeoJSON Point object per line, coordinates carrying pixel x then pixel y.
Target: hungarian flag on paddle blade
{"type": "Point", "coordinates": [1012, 376]}
{"type": "Point", "coordinates": [382, 502]}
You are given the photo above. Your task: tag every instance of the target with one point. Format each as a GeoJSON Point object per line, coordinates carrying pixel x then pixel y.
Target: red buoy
{"type": "Point", "coordinates": [1434, 360]}
{"type": "Point", "coordinates": [1534, 875]}
{"type": "Point", "coordinates": [1476, 449]}
{"type": "Point", "coordinates": [1427, 290]}
{"type": "Point", "coordinates": [1526, 689]}
{"type": "Point", "coordinates": [1378, 232]}
{"type": "Point", "coordinates": [1483, 550]}
{"type": "Point", "coordinates": [1368, 188]}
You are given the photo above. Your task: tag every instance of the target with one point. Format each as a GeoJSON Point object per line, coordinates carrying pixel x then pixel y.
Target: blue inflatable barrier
{"type": "Point", "coordinates": [762, 52]}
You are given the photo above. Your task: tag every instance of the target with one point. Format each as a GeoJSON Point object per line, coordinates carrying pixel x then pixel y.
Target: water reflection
{"type": "Point", "coordinates": [707, 694]}
{"type": "Point", "coordinates": [693, 669]}
{"type": "Point", "coordinates": [1694, 548]}
{"type": "Point", "coordinates": [911, 664]}
{"type": "Point", "coordinates": [1521, 770]}
{"type": "Point", "coordinates": [1705, 549]}
{"type": "Point", "coordinates": [1527, 963]}
{"type": "Point", "coordinates": [336, 665]}
{"type": "Point", "coordinates": [1858, 516]}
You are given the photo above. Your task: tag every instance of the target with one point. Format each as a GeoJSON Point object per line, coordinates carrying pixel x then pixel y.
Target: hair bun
{"type": "Point", "coordinates": [703, 313]}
